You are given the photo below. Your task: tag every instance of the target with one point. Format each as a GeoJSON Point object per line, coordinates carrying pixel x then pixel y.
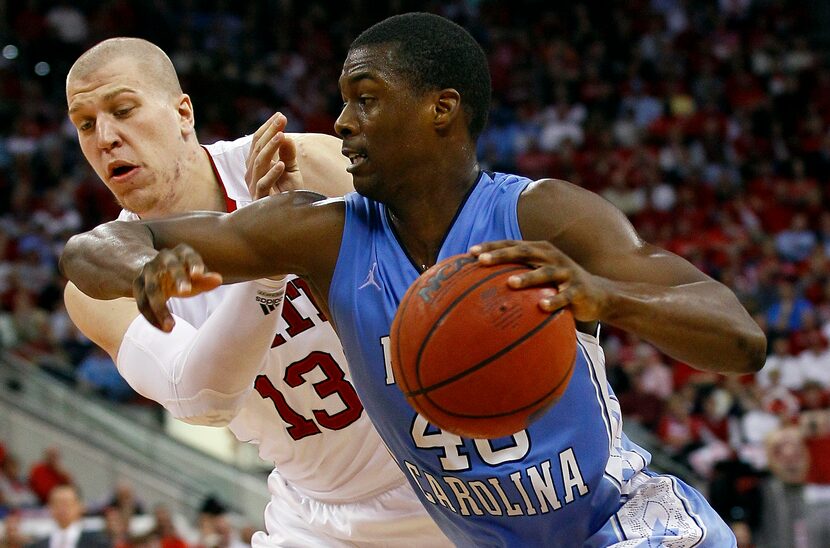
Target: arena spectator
{"type": "Point", "coordinates": [47, 474]}
{"type": "Point", "coordinates": [14, 493]}
{"type": "Point", "coordinates": [709, 127]}
{"type": "Point", "coordinates": [67, 509]}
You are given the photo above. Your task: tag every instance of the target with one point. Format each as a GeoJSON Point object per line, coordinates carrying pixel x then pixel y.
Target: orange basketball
{"type": "Point", "coordinates": [475, 357]}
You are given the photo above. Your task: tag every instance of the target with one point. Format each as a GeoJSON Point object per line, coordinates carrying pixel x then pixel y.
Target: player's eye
{"type": "Point", "coordinates": [123, 111]}
{"type": "Point", "coordinates": [85, 126]}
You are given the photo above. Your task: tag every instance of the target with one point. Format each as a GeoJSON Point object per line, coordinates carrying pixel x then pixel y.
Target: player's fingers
{"type": "Point", "coordinates": [280, 182]}
{"type": "Point", "coordinates": [288, 153]}
{"type": "Point", "coordinates": [262, 152]}
{"type": "Point", "coordinates": [191, 261]}
{"type": "Point", "coordinates": [171, 269]}
{"type": "Point", "coordinates": [268, 156]}
{"type": "Point", "coordinates": [161, 319]}
{"type": "Point", "coordinates": [260, 141]}
{"type": "Point", "coordinates": [157, 292]}
{"type": "Point", "coordinates": [274, 124]}
{"type": "Point", "coordinates": [544, 275]}
{"type": "Point", "coordinates": [552, 303]}
{"type": "Point", "coordinates": [199, 277]}
{"type": "Point", "coordinates": [269, 183]}
{"type": "Point", "coordinates": [280, 121]}
{"type": "Point", "coordinates": [204, 283]}
{"type": "Point", "coordinates": [522, 252]}
{"type": "Point", "coordinates": [478, 249]}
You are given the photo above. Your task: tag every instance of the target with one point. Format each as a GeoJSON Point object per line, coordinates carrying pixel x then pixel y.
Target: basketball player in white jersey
{"type": "Point", "coordinates": [279, 382]}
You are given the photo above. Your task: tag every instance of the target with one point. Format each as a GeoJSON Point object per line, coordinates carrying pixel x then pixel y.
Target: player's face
{"type": "Point", "coordinates": [383, 123]}
{"type": "Point", "coordinates": [131, 133]}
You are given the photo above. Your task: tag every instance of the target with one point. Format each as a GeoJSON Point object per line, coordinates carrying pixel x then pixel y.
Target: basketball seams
{"type": "Point", "coordinates": [447, 309]}
{"type": "Point", "coordinates": [565, 378]}
{"type": "Point", "coordinates": [440, 377]}
{"type": "Point", "coordinates": [397, 326]}
{"type": "Point", "coordinates": [483, 363]}
{"type": "Point", "coordinates": [397, 370]}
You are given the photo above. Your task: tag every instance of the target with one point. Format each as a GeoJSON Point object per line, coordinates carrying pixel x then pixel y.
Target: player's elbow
{"type": "Point", "coordinates": [751, 350]}
{"type": "Point", "coordinates": [217, 419]}
{"type": "Point", "coordinates": [208, 407]}
{"type": "Point", "coordinates": [756, 350]}
{"type": "Point", "coordinates": [74, 262]}
{"type": "Point", "coordinates": [69, 256]}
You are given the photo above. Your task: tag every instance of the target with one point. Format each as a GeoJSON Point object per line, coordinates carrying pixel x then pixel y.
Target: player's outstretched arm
{"type": "Point", "coordinates": [606, 273]}
{"type": "Point", "coordinates": [104, 261]}
{"type": "Point", "coordinates": [293, 232]}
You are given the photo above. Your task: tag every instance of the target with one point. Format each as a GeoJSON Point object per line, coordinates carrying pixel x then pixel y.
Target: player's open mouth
{"type": "Point", "coordinates": [119, 171]}
{"type": "Point", "coordinates": [356, 160]}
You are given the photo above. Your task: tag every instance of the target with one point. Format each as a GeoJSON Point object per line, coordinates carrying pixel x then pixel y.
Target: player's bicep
{"type": "Point", "coordinates": [598, 236]}
{"type": "Point", "coordinates": [103, 322]}
{"type": "Point", "coordinates": [647, 264]}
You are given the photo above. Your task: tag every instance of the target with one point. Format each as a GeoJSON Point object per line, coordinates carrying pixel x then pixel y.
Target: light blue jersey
{"type": "Point", "coordinates": [568, 479]}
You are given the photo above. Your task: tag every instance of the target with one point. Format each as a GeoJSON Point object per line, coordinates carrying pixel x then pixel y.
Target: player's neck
{"type": "Point", "coordinates": [207, 193]}
{"type": "Point", "coordinates": [198, 188]}
{"type": "Point", "coordinates": [423, 219]}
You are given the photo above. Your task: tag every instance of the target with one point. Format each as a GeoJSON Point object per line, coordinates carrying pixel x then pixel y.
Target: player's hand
{"type": "Point", "coordinates": [271, 166]}
{"type": "Point", "coordinates": [177, 272]}
{"type": "Point", "coordinates": [586, 294]}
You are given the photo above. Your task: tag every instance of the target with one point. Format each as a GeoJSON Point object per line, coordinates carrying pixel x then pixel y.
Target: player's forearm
{"type": "Point", "coordinates": [203, 375]}
{"type": "Point", "coordinates": [104, 261]}
{"type": "Point", "coordinates": [249, 314]}
{"type": "Point", "coordinates": [701, 324]}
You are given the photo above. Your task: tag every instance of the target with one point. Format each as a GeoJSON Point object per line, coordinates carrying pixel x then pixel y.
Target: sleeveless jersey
{"type": "Point", "coordinates": [303, 411]}
{"type": "Point", "coordinates": [553, 484]}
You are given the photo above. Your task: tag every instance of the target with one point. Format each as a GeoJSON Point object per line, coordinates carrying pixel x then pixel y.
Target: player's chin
{"type": "Point", "coordinates": [368, 186]}
{"type": "Point", "coordinates": [139, 200]}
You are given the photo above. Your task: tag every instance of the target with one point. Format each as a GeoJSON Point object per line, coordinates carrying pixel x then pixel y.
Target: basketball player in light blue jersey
{"type": "Point", "coordinates": [416, 92]}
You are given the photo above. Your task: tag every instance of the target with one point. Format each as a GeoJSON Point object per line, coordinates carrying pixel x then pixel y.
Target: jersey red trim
{"type": "Point", "coordinates": [230, 204]}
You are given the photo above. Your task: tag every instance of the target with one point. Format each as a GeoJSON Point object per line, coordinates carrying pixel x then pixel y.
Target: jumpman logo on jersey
{"type": "Point", "coordinates": [370, 278]}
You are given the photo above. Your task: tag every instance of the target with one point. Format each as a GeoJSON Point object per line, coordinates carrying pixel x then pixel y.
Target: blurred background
{"type": "Point", "coordinates": [706, 122]}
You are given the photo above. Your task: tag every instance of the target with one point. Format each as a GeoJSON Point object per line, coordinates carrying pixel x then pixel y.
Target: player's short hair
{"type": "Point", "coordinates": [434, 53]}
{"type": "Point", "coordinates": [154, 63]}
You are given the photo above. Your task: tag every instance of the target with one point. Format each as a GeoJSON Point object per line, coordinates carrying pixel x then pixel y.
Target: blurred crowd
{"type": "Point", "coordinates": [706, 122]}
{"type": "Point", "coordinates": [45, 508]}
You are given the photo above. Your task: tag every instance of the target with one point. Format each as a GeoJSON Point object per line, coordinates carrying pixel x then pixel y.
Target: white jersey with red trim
{"type": "Point", "coordinates": [303, 411]}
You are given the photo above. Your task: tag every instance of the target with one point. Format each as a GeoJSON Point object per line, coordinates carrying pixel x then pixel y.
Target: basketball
{"type": "Point", "coordinates": [475, 357]}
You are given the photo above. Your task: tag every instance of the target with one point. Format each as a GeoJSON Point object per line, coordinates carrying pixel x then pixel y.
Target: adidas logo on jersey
{"type": "Point", "coordinates": [268, 305]}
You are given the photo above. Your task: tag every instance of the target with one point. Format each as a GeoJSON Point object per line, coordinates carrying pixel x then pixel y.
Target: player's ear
{"type": "Point", "coordinates": [447, 108]}
{"type": "Point", "coordinates": [185, 111]}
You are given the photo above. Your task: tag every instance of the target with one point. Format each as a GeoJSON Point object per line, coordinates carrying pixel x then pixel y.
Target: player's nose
{"type": "Point", "coordinates": [107, 134]}
{"type": "Point", "coordinates": [345, 125]}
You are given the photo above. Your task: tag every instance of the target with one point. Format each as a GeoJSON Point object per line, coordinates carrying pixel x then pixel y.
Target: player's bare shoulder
{"type": "Point", "coordinates": [548, 206]}
{"type": "Point", "coordinates": [572, 218]}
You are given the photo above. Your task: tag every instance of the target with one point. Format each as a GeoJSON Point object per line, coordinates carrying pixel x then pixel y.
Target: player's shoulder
{"type": "Point", "coordinates": [236, 146]}
{"type": "Point", "coordinates": [551, 189]}
{"type": "Point", "coordinates": [228, 159]}
{"type": "Point", "coordinates": [548, 206]}
{"type": "Point", "coordinates": [566, 197]}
